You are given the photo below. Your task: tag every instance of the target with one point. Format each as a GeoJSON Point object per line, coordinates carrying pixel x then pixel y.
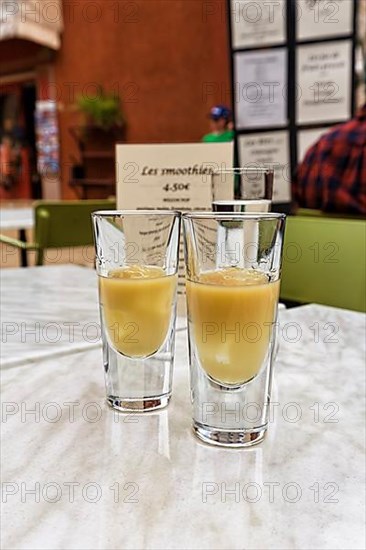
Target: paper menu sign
{"type": "Point", "coordinates": [257, 23]}
{"type": "Point", "coordinates": [324, 79]}
{"type": "Point", "coordinates": [307, 138]}
{"type": "Point", "coordinates": [172, 177]}
{"type": "Point", "coordinates": [269, 150]}
{"type": "Point", "coordinates": [260, 88]}
{"type": "Point", "coordinates": [323, 18]}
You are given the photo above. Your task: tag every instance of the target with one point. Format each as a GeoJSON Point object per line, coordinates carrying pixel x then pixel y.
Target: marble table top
{"type": "Point", "coordinates": [16, 218]}
{"type": "Point", "coordinates": [47, 311]}
{"type": "Point", "coordinates": [75, 475]}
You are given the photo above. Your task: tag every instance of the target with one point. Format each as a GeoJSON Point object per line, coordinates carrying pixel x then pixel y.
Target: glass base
{"type": "Point", "coordinates": [138, 405]}
{"type": "Point", "coordinates": [222, 438]}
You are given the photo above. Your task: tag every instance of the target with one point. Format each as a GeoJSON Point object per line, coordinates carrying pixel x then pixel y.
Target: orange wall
{"type": "Point", "coordinates": [167, 58]}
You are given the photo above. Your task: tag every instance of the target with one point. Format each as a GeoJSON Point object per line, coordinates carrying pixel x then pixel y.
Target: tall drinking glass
{"type": "Point", "coordinates": [137, 266]}
{"type": "Point", "coordinates": [250, 183]}
{"type": "Point", "coordinates": [233, 268]}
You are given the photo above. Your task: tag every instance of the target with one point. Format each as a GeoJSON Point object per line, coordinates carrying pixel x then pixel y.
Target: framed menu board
{"type": "Point", "coordinates": [270, 150]}
{"type": "Point", "coordinates": [324, 77]}
{"type": "Point", "coordinates": [318, 19]}
{"type": "Point", "coordinates": [260, 88]}
{"type": "Point", "coordinates": [307, 138]}
{"type": "Point", "coordinates": [257, 23]}
{"type": "Point", "coordinates": [293, 76]}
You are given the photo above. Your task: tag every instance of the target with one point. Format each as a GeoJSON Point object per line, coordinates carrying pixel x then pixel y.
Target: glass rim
{"type": "Point", "coordinates": [237, 216]}
{"type": "Point", "coordinates": [242, 201]}
{"type": "Point", "coordinates": [243, 170]}
{"type": "Point", "coordinates": [110, 213]}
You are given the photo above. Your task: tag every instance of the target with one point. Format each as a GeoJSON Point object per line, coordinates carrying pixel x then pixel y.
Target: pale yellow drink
{"type": "Point", "coordinates": [137, 306]}
{"type": "Point", "coordinates": [231, 311]}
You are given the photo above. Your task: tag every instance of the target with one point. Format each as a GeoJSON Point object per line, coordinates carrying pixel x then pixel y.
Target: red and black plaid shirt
{"type": "Point", "coordinates": [332, 176]}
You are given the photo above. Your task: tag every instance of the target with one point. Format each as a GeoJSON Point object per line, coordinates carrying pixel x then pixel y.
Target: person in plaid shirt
{"type": "Point", "coordinates": [332, 176]}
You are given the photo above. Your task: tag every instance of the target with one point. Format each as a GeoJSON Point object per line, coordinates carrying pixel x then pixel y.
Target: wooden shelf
{"type": "Point", "coordinates": [97, 161]}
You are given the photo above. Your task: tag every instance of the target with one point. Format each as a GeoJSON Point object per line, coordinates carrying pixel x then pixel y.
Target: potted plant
{"type": "Point", "coordinates": [103, 120]}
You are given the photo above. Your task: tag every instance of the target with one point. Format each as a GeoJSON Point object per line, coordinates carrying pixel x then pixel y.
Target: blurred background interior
{"type": "Point", "coordinates": [78, 77]}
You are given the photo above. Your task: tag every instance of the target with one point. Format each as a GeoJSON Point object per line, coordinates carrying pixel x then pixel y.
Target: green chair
{"type": "Point", "coordinates": [324, 262]}
{"type": "Point", "coordinates": [319, 213]}
{"type": "Point", "coordinates": [60, 224]}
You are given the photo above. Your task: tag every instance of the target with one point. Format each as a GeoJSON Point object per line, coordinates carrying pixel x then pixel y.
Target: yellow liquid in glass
{"type": "Point", "coordinates": [231, 311]}
{"type": "Point", "coordinates": [137, 305]}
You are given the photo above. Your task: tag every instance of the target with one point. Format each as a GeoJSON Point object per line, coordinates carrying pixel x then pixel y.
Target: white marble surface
{"type": "Point", "coordinates": [16, 218]}
{"type": "Point", "coordinates": [172, 487]}
{"type": "Point", "coordinates": [47, 311]}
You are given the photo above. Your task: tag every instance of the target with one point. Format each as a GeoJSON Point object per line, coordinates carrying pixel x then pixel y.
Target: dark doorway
{"type": "Point", "coordinates": [19, 176]}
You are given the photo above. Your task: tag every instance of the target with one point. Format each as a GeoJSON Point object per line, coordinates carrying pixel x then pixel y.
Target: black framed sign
{"type": "Point", "coordinates": [269, 149]}
{"type": "Point", "coordinates": [319, 19]}
{"type": "Point", "coordinates": [261, 88]}
{"type": "Point", "coordinates": [306, 138]}
{"type": "Point", "coordinates": [324, 82]}
{"type": "Point", "coordinates": [256, 24]}
{"type": "Point", "coordinates": [293, 77]}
